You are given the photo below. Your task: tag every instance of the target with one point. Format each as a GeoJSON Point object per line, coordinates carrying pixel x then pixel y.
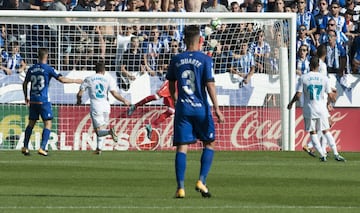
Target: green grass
{"type": "Point", "coordinates": [145, 182]}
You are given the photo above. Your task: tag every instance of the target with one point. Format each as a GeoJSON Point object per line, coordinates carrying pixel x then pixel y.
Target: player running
{"type": "Point", "coordinates": [98, 86]}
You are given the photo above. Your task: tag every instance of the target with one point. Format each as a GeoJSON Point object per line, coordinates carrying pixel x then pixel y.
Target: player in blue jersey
{"type": "Point", "coordinates": [39, 75]}
{"type": "Point", "coordinates": [194, 74]}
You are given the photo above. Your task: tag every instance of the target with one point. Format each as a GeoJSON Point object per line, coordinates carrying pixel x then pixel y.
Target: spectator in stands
{"type": "Point", "coordinates": [273, 64]}
{"type": "Point", "coordinates": [98, 5]}
{"type": "Point", "coordinates": [165, 5]}
{"type": "Point", "coordinates": [248, 6]}
{"type": "Point", "coordinates": [121, 5]}
{"type": "Point", "coordinates": [356, 57]}
{"type": "Point", "coordinates": [335, 14]}
{"type": "Point", "coordinates": [152, 49]}
{"type": "Point", "coordinates": [132, 62]}
{"type": "Point", "coordinates": [178, 7]}
{"type": "Point", "coordinates": [235, 7]}
{"type": "Point", "coordinates": [302, 60]}
{"type": "Point", "coordinates": [214, 6]}
{"type": "Point", "coordinates": [13, 62]}
{"type": "Point", "coordinates": [261, 50]}
{"type": "Point", "coordinates": [155, 6]}
{"type": "Point", "coordinates": [336, 56]}
{"type": "Point", "coordinates": [83, 5]}
{"type": "Point", "coordinates": [294, 7]}
{"type": "Point", "coordinates": [323, 12]}
{"type": "Point", "coordinates": [19, 5]}
{"type": "Point", "coordinates": [132, 6]}
{"type": "Point", "coordinates": [60, 5]}
{"type": "Point", "coordinates": [221, 57]}
{"type": "Point", "coordinates": [165, 57]}
{"type": "Point", "coordinates": [350, 25]}
{"type": "Point", "coordinates": [279, 39]}
{"type": "Point", "coordinates": [170, 33]}
{"type": "Point", "coordinates": [305, 18]}
{"type": "Point", "coordinates": [83, 39]}
{"type": "Point", "coordinates": [244, 66]}
{"type": "Point", "coordinates": [279, 6]}
{"type": "Point", "coordinates": [341, 38]}
{"type": "Point", "coordinates": [303, 39]}
{"type": "Point", "coordinates": [194, 5]}
{"type": "Point", "coordinates": [259, 7]}
{"type": "Point", "coordinates": [123, 39]}
{"type": "Point", "coordinates": [107, 36]}
{"type": "Point", "coordinates": [288, 9]}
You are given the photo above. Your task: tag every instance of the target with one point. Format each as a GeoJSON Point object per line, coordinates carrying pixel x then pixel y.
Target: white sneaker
{"type": "Point", "coordinates": [113, 135]}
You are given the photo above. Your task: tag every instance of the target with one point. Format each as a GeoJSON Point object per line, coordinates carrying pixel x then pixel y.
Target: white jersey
{"type": "Point", "coordinates": [98, 87]}
{"type": "Point", "coordinates": [323, 70]}
{"type": "Point", "coordinates": [322, 67]}
{"type": "Point", "coordinates": [314, 86]}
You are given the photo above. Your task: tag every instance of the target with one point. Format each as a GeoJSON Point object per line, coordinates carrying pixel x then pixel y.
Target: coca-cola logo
{"type": "Point", "coordinates": [132, 133]}
{"type": "Point", "coordinates": [258, 129]}
{"type": "Point", "coordinates": [302, 137]}
{"type": "Point", "coordinates": [254, 131]}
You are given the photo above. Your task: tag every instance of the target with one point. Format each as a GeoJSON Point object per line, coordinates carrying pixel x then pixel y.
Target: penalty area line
{"type": "Point", "coordinates": [181, 207]}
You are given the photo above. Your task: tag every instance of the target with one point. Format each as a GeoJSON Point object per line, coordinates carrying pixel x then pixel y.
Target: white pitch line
{"type": "Point", "coordinates": [180, 207]}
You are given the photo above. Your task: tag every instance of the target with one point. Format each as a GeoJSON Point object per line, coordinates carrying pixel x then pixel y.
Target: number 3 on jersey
{"type": "Point", "coordinates": [189, 78]}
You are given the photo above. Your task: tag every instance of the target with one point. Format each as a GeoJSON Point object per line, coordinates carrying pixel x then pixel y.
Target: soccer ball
{"type": "Point", "coordinates": [215, 24]}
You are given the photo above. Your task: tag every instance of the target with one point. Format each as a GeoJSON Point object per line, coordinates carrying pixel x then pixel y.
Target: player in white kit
{"type": "Point", "coordinates": [98, 86]}
{"type": "Point", "coordinates": [314, 86]}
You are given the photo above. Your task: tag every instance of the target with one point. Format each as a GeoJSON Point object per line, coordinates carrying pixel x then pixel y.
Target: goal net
{"type": "Point", "coordinates": [253, 55]}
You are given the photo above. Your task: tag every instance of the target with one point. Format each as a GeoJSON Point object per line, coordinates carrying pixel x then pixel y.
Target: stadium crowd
{"type": "Point", "coordinates": [241, 49]}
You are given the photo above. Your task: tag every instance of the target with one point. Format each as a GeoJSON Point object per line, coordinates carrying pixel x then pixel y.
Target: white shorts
{"type": "Point", "coordinates": [99, 119]}
{"type": "Point", "coordinates": [316, 124]}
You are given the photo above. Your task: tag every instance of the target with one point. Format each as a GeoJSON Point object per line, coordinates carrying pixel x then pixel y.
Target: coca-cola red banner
{"type": "Point", "coordinates": [246, 128]}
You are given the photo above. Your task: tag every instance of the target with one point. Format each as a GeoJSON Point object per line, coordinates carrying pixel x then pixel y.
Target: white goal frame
{"type": "Point", "coordinates": [287, 67]}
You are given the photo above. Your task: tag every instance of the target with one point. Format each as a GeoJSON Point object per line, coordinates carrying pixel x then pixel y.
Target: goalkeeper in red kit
{"type": "Point", "coordinates": [164, 93]}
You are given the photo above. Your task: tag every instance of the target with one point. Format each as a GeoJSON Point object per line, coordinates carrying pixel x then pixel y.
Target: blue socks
{"type": "Point", "coordinates": [28, 132]}
{"type": "Point", "coordinates": [206, 162]}
{"type": "Point", "coordinates": [180, 167]}
{"type": "Point", "coordinates": [45, 138]}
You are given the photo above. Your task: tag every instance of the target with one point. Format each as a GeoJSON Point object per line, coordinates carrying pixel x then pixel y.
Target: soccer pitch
{"type": "Point", "coordinates": [145, 182]}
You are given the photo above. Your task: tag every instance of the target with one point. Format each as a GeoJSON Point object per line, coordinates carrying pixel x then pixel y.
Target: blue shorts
{"type": "Point", "coordinates": [189, 129]}
{"type": "Point", "coordinates": [44, 110]}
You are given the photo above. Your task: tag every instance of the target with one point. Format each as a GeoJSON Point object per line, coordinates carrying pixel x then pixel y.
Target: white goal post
{"type": "Point", "coordinates": [255, 108]}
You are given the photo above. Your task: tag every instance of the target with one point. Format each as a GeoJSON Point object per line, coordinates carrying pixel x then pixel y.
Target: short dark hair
{"type": "Point", "coordinates": [314, 62]}
{"type": "Point", "coordinates": [321, 50]}
{"type": "Point", "coordinates": [191, 32]}
{"type": "Point", "coordinates": [14, 43]}
{"type": "Point", "coordinates": [99, 66]}
{"type": "Point", "coordinates": [42, 52]}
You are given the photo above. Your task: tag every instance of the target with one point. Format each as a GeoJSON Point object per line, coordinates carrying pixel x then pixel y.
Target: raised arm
{"type": "Point", "coordinates": [66, 80]}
